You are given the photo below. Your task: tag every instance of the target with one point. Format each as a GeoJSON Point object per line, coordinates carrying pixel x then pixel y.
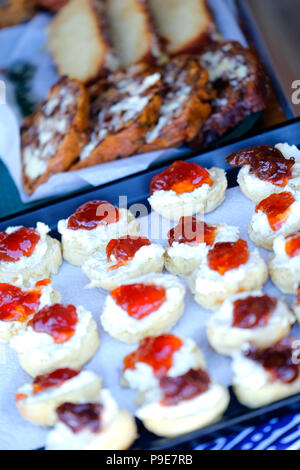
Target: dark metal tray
{"type": "Point", "coordinates": [136, 188]}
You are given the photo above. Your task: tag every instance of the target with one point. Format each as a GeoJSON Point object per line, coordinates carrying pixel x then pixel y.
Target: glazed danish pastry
{"type": "Point", "coordinates": [149, 306]}
{"type": "Point", "coordinates": [28, 253]}
{"type": "Point", "coordinates": [249, 317]}
{"type": "Point", "coordinates": [124, 258]}
{"type": "Point", "coordinates": [185, 106]}
{"type": "Point", "coordinates": [228, 268]}
{"type": "Point", "coordinates": [53, 137]}
{"type": "Point", "coordinates": [185, 189]}
{"type": "Point", "coordinates": [18, 304]}
{"type": "Point", "coordinates": [122, 115]}
{"type": "Point", "coordinates": [267, 170]}
{"type": "Point", "coordinates": [59, 336]}
{"type": "Point", "coordinates": [96, 425]}
{"type": "Point", "coordinates": [91, 227]}
{"type": "Point", "coordinates": [263, 376]}
{"type": "Point", "coordinates": [277, 215]}
{"type": "Point", "coordinates": [285, 263]}
{"type": "Point", "coordinates": [189, 242]}
{"type": "Point", "coordinates": [37, 401]}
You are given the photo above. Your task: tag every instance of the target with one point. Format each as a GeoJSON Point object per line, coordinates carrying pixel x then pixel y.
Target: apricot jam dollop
{"type": "Point", "coordinates": [228, 255]}
{"type": "Point", "coordinates": [139, 300]}
{"type": "Point", "coordinates": [192, 231]}
{"type": "Point", "coordinates": [253, 312]}
{"type": "Point", "coordinates": [292, 245]}
{"type": "Point", "coordinates": [124, 248]}
{"type": "Point", "coordinates": [266, 162]}
{"type": "Point", "coordinates": [54, 379]}
{"type": "Point", "coordinates": [93, 213]}
{"type": "Point", "coordinates": [181, 177]}
{"type": "Point", "coordinates": [277, 360]}
{"type": "Point", "coordinates": [15, 245]}
{"type": "Point", "coordinates": [81, 417]}
{"type": "Point", "coordinates": [184, 387]}
{"type": "Point", "coordinates": [277, 209]}
{"type": "Point", "coordinates": [156, 352]}
{"type": "Point", "coordinates": [16, 304]}
{"type": "Point", "coordinates": [58, 321]}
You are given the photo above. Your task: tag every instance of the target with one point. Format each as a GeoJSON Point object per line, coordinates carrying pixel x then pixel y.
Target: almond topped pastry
{"type": "Point", "coordinates": [240, 84]}
{"type": "Point", "coordinates": [54, 135]}
{"type": "Point", "coordinates": [185, 106]}
{"type": "Point", "coordinates": [122, 114]}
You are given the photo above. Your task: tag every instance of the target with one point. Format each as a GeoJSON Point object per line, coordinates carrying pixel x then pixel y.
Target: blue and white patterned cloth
{"type": "Point", "coordinates": [280, 433]}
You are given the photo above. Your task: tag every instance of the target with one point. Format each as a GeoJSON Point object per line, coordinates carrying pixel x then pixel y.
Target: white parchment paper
{"type": "Point", "coordinates": [15, 433]}
{"type": "Point", "coordinates": [28, 43]}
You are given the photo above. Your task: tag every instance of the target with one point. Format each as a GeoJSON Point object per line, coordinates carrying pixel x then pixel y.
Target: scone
{"type": "Point", "coordinates": [263, 376]}
{"type": "Point", "coordinates": [190, 241]}
{"type": "Point", "coordinates": [57, 337]}
{"type": "Point", "coordinates": [249, 317]}
{"type": "Point", "coordinates": [240, 84]}
{"type": "Point", "coordinates": [186, 189]}
{"type": "Point", "coordinates": [267, 170]}
{"type": "Point", "coordinates": [123, 111]}
{"type": "Point", "coordinates": [162, 356]}
{"type": "Point", "coordinates": [91, 227]}
{"type": "Point", "coordinates": [37, 401]}
{"type": "Point", "coordinates": [53, 136]}
{"type": "Point", "coordinates": [96, 425]}
{"type": "Point", "coordinates": [187, 402]}
{"type": "Point", "coordinates": [18, 304]}
{"type": "Point", "coordinates": [28, 253]}
{"type": "Point", "coordinates": [78, 40]}
{"type": "Point", "coordinates": [285, 263]}
{"type": "Point", "coordinates": [296, 305]}
{"type": "Point", "coordinates": [278, 214]}
{"type": "Point", "coordinates": [228, 268]}
{"type": "Point", "coordinates": [124, 258]}
{"type": "Point", "coordinates": [150, 306]}
{"type": "Point", "coordinates": [185, 106]}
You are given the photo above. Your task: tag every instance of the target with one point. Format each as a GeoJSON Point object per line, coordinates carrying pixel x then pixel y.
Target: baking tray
{"type": "Point", "coordinates": [136, 188]}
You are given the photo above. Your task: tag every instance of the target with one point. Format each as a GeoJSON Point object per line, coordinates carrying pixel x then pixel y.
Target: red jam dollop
{"type": "Point", "coordinates": [292, 246]}
{"type": "Point", "coordinates": [16, 304]}
{"type": "Point", "coordinates": [192, 231]}
{"type": "Point", "coordinates": [266, 162]}
{"type": "Point", "coordinates": [277, 208]}
{"type": "Point", "coordinates": [58, 321]}
{"type": "Point", "coordinates": [184, 387]}
{"type": "Point", "coordinates": [228, 255]}
{"type": "Point", "coordinates": [124, 248]}
{"type": "Point", "coordinates": [253, 312]}
{"type": "Point", "coordinates": [81, 417]}
{"type": "Point", "coordinates": [139, 300]}
{"type": "Point", "coordinates": [54, 379]}
{"type": "Point", "coordinates": [156, 352]}
{"type": "Point", "coordinates": [181, 177]}
{"type": "Point", "coordinates": [15, 245]}
{"type": "Point", "coordinates": [93, 213]}
{"type": "Point", "coordinates": [277, 360]}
